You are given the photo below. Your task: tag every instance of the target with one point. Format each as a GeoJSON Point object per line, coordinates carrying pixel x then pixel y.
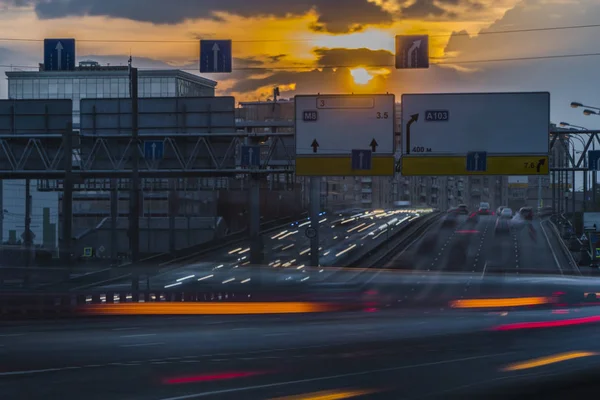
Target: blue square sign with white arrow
{"type": "Point", "coordinates": [215, 56]}
{"type": "Point", "coordinates": [59, 54]}
{"type": "Point", "coordinates": [362, 160]}
{"type": "Point", "coordinates": [250, 156]}
{"type": "Point", "coordinates": [154, 150]}
{"type": "Point", "coordinates": [412, 52]}
{"type": "Point", "coordinates": [477, 161]}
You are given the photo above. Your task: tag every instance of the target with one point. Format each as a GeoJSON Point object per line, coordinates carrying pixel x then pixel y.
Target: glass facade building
{"type": "Point", "coordinates": [89, 80]}
{"type": "Point", "coordinates": [104, 82]}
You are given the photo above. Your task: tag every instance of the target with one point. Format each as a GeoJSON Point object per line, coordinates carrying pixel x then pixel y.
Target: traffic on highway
{"type": "Point", "coordinates": [299, 200]}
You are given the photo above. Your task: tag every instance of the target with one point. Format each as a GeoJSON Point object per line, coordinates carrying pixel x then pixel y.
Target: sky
{"type": "Point", "coordinates": [331, 46]}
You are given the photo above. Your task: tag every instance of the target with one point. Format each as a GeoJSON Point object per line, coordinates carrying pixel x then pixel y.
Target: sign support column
{"type": "Point", "coordinates": [67, 200]}
{"type": "Point", "coordinates": [256, 256]}
{"type": "Point", "coordinates": [114, 214]}
{"type": "Point", "coordinates": [315, 205]}
{"type": "Point", "coordinates": [134, 197]}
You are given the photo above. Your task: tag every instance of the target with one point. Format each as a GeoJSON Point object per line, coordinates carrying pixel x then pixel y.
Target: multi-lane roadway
{"type": "Point", "coordinates": [384, 354]}
{"type": "Point", "coordinates": [287, 252]}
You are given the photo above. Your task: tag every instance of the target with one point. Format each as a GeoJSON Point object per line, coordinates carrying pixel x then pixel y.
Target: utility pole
{"type": "Point", "coordinates": [134, 196]}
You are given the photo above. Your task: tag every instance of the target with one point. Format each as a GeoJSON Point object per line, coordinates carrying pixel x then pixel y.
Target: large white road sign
{"type": "Point", "coordinates": [339, 135]}
{"type": "Point", "coordinates": [459, 123]}
{"type": "Point", "coordinates": [475, 133]}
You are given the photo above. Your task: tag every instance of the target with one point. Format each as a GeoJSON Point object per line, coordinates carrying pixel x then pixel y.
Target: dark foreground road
{"type": "Point", "coordinates": [388, 355]}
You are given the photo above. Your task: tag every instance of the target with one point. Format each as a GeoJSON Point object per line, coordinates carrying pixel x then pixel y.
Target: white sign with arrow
{"type": "Point", "coordinates": [345, 123]}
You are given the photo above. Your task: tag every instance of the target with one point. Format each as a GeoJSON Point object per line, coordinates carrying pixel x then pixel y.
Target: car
{"type": "Point", "coordinates": [506, 213]}
{"type": "Point", "coordinates": [462, 209]}
{"type": "Point", "coordinates": [484, 209]}
{"type": "Point", "coordinates": [499, 210]}
{"type": "Point", "coordinates": [502, 226]}
{"type": "Point", "coordinates": [451, 218]}
{"type": "Point", "coordinates": [526, 213]}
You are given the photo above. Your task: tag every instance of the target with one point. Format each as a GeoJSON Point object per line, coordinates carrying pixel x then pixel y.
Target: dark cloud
{"type": "Point", "coordinates": [277, 58]}
{"type": "Point", "coordinates": [436, 9]}
{"type": "Point", "coordinates": [334, 15]}
{"type": "Point", "coordinates": [339, 80]}
{"type": "Point", "coordinates": [353, 57]}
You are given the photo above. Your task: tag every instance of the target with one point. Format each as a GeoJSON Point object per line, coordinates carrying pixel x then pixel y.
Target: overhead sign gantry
{"type": "Point", "coordinates": [475, 134]}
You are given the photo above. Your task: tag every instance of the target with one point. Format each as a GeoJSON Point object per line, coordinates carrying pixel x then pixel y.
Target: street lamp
{"type": "Point", "coordinates": [568, 125]}
{"type": "Point", "coordinates": [575, 104]}
{"type": "Point", "coordinates": [590, 112]}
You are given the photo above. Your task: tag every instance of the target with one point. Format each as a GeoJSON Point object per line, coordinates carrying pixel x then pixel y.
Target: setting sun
{"type": "Point", "coordinates": [361, 76]}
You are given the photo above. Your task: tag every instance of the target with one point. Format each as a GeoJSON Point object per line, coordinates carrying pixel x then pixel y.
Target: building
{"type": "Point", "coordinates": [91, 80]}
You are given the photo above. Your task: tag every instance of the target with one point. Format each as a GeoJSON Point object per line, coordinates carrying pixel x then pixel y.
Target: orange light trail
{"type": "Point", "coordinates": [233, 308]}
{"type": "Point", "coordinates": [500, 302]}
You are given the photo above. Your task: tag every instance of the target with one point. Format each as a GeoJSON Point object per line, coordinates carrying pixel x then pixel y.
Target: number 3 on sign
{"type": "Point", "coordinates": [383, 115]}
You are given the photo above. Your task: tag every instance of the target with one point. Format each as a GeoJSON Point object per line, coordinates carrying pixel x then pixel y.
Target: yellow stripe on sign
{"type": "Point", "coordinates": [342, 166]}
{"type": "Point", "coordinates": [457, 165]}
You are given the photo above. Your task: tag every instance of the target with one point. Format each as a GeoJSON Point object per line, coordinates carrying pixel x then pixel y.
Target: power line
{"type": "Point", "coordinates": [311, 67]}
{"type": "Point", "coordinates": [525, 30]}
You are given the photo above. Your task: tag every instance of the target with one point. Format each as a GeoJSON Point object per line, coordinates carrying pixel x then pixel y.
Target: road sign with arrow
{"type": "Point", "coordinates": [362, 160]}
{"type": "Point", "coordinates": [412, 52]}
{"type": "Point", "coordinates": [59, 54]}
{"type": "Point", "coordinates": [435, 144]}
{"type": "Point", "coordinates": [326, 146]}
{"type": "Point", "coordinates": [215, 56]}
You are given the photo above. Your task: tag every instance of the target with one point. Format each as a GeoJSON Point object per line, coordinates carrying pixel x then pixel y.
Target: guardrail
{"type": "Point", "coordinates": [564, 248]}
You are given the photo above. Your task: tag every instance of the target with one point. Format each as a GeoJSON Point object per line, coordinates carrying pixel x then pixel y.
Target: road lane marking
{"type": "Point", "coordinates": [141, 344]}
{"type": "Point", "coordinates": [140, 335]}
{"type": "Point", "coordinates": [330, 377]}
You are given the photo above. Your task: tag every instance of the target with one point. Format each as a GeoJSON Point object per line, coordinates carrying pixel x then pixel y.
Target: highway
{"type": "Point", "coordinates": [287, 252]}
{"type": "Point", "coordinates": [387, 354]}
{"type": "Point", "coordinates": [479, 248]}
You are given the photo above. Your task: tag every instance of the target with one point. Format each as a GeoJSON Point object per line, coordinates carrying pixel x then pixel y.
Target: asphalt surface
{"type": "Point", "coordinates": [481, 248]}
{"type": "Point", "coordinates": [387, 354]}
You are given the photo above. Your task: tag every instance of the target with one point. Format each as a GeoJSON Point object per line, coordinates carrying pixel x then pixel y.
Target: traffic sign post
{"type": "Point", "coordinates": [593, 158]}
{"type": "Point", "coordinates": [215, 56]}
{"type": "Point", "coordinates": [250, 156]}
{"type": "Point", "coordinates": [333, 130]}
{"type": "Point", "coordinates": [412, 52]}
{"type": "Point", "coordinates": [154, 150]}
{"type": "Point", "coordinates": [509, 129]}
{"type": "Point", "coordinates": [59, 54]}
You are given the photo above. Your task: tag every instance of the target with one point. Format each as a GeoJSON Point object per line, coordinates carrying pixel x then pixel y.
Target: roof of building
{"type": "Point", "coordinates": [108, 71]}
